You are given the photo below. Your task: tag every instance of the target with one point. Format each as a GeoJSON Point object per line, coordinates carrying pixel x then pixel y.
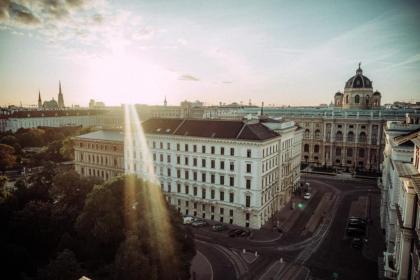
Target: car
{"type": "Point", "coordinates": [356, 225]}
{"type": "Point", "coordinates": [235, 232]}
{"type": "Point", "coordinates": [357, 243]}
{"type": "Point", "coordinates": [357, 219]}
{"type": "Point", "coordinates": [307, 196]}
{"type": "Point", "coordinates": [187, 220]}
{"type": "Point", "coordinates": [199, 223]}
{"type": "Point", "coordinates": [355, 232]}
{"type": "Point", "coordinates": [218, 227]}
{"type": "Point", "coordinates": [245, 233]}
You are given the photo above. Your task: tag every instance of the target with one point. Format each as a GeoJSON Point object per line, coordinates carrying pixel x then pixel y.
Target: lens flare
{"type": "Point", "coordinates": [138, 162]}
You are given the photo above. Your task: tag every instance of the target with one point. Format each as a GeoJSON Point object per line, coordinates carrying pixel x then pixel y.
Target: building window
{"type": "Point", "coordinates": [194, 148]}
{"type": "Point", "coordinates": [168, 146]}
{"type": "Point", "coordinates": [361, 152]}
{"type": "Point", "coordinates": [178, 173]}
{"type": "Point", "coordinates": [248, 153]}
{"type": "Point", "coordinates": [306, 148]}
{"type": "Point", "coordinates": [187, 174]}
{"type": "Point", "coordinates": [247, 201]}
{"type": "Point", "coordinates": [316, 149]}
{"type": "Point", "coordinates": [248, 184]}
{"type": "Point", "coordinates": [362, 137]}
{"type": "Point", "coordinates": [222, 180]}
{"type": "Point", "coordinates": [212, 149]}
{"type": "Point", "coordinates": [222, 150]}
{"type": "Point", "coordinates": [194, 162]}
{"type": "Point", "coordinates": [222, 196]}
{"type": "Point", "coordinates": [338, 152]}
{"type": "Point", "coordinates": [306, 135]}
{"type": "Point", "coordinates": [231, 197]}
{"type": "Point", "coordinates": [178, 188]}
{"type": "Point", "coordinates": [186, 160]}
{"type": "Point", "coordinates": [178, 160]}
{"type": "Point", "coordinates": [169, 187]}
{"type": "Point", "coordinates": [168, 159]}
{"type": "Point", "coordinates": [222, 165]}
{"type": "Point", "coordinates": [212, 178]}
{"type": "Point", "coordinates": [195, 175]}
{"type": "Point", "coordinates": [231, 181]}
{"type": "Point", "coordinates": [232, 166]}
{"type": "Point", "coordinates": [212, 163]}
{"type": "Point", "coordinates": [350, 136]}
{"type": "Point", "coordinates": [203, 193]}
{"type": "Point", "coordinates": [232, 151]}
{"type": "Point", "coordinates": [187, 189]}
{"type": "Point", "coordinates": [357, 99]}
{"type": "Point", "coordinates": [154, 144]}
{"type": "Point", "coordinates": [169, 172]}
{"type": "Point", "coordinates": [212, 194]}
{"type": "Point", "coordinates": [212, 209]}
{"type": "Point", "coordinates": [161, 145]}
{"type": "Point", "coordinates": [203, 149]}
{"type": "Point", "coordinates": [186, 147]}
{"type": "Point", "coordinates": [248, 168]}
{"type": "Point", "coordinates": [195, 191]}
{"type": "Point", "coordinates": [177, 147]}
{"type": "Point", "coordinates": [203, 177]}
{"type": "Point", "coordinates": [349, 152]}
{"type": "Point", "coordinates": [317, 134]}
{"type": "Point", "coordinates": [339, 136]}
{"type": "Point", "coordinates": [222, 210]}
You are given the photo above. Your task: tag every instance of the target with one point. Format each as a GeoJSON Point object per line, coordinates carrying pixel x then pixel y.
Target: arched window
{"type": "Point", "coordinates": [357, 99]}
{"type": "Point", "coordinates": [306, 148]}
{"type": "Point", "coordinates": [362, 137]}
{"type": "Point", "coordinates": [361, 152]}
{"type": "Point", "coordinates": [349, 152]}
{"type": "Point", "coordinates": [316, 149]}
{"type": "Point", "coordinates": [350, 136]}
{"type": "Point", "coordinates": [317, 134]}
{"type": "Point", "coordinates": [339, 136]}
{"type": "Point", "coordinates": [306, 133]}
{"type": "Point", "coordinates": [347, 99]}
{"type": "Point", "coordinates": [367, 100]}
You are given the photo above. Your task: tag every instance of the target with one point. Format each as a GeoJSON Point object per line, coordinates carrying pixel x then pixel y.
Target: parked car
{"type": "Point", "coordinates": [357, 243]}
{"type": "Point", "coordinates": [234, 232]}
{"type": "Point", "coordinates": [218, 227]}
{"type": "Point", "coordinates": [238, 232]}
{"type": "Point", "coordinates": [199, 223]}
{"type": "Point", "coordinates": [355, 232]}
{"type": "Point", "coordinates": [307, 196]}
{"type": "Point", "coordinates": [357, 220]}
{"type": "Point", "coordinates": [187, 220]}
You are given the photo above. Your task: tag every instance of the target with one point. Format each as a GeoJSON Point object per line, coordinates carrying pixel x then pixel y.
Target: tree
{"type": "Point", "coordinates": [7, 157]}
{"type": "Point", "coordinates": [64, 267]}
{"type": "Point", "coordinates": [67, 150]}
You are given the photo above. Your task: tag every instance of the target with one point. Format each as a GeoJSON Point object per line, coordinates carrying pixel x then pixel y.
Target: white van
{"type": "Point", "coordinates": [187, 220]}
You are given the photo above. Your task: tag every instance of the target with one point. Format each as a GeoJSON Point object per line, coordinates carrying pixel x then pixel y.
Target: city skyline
{"type": "Point", "coordinates": [280, 53]}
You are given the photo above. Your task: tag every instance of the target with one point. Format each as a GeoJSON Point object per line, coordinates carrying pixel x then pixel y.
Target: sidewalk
{"type": "Point", "coordinates": [201, 268]}
{"type": "Point", "coordinates": [285, 218]}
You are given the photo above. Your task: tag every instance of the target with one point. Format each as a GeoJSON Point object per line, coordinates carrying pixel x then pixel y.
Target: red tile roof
{"type": "Point", "coordinates": [219, 129]}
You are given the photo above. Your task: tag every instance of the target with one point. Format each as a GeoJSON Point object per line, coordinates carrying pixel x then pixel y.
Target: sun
{"type": "Point", "coordinates": [127, 78]}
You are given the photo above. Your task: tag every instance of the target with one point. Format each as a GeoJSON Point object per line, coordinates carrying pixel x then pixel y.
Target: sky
{"type": "Point", "coordinates": [278, 52]}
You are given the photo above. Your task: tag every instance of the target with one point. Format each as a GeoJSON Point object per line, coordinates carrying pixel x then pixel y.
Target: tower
{"type": "Point", "coordinates": [165, 102]}
{"type": "Point", "coordinates": [60, 97]}
{"type": "Point", "coordinates": [39, 100]}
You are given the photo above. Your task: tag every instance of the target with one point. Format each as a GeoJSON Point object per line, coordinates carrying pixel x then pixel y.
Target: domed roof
{"type": "Point", "coordinates": [338, 93]}
{"type": "Point", "coordinates": [359, 80]}
{"type": "Point", "coordinates": [377, 93]}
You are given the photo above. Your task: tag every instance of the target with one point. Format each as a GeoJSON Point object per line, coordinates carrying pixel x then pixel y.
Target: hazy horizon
{"type": "Point", "coordinates": [279, 52]}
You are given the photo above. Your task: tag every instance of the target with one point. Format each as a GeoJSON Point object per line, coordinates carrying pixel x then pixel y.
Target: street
{"type": "Point", "coordinates": [313, 244]}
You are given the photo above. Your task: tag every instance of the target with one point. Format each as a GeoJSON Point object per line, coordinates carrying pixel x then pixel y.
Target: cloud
{"type": "Point", "coordinates": [18, 13]}
{"type": "Point", "coordinates": [188, 77]}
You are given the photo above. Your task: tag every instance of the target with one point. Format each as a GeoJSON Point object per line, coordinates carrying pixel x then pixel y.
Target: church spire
{"type": "Point", "coordinates": [165, 102]}
{"type": "Point", "coordinates": [39, 99]}
{"type": "Point", "coordinates": [60, 96]}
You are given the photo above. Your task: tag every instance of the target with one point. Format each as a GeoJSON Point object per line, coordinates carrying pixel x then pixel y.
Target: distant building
{"type": "Point", "coordinates": [400, 189]}
{"type": "Point", "coordinates": [99, 154]}
{"type": "Point", "coordinates": [14, 119]}
{"type": "Point", "coordinates": [39, 100]}
{"type": "Point", "coordinates": [50, 105]}
{"type": "Point", "coordinates": [231, 171]}
{"type": "Point", "coordinates": [96, 104]}
{"type": "Point", "coordinates": [60, 97]}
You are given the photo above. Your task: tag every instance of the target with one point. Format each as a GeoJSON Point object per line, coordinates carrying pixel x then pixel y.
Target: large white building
{"type": "Point", "coordinates": [238, 172]}
{"type": "Point", "coordinates": [400, 187]}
